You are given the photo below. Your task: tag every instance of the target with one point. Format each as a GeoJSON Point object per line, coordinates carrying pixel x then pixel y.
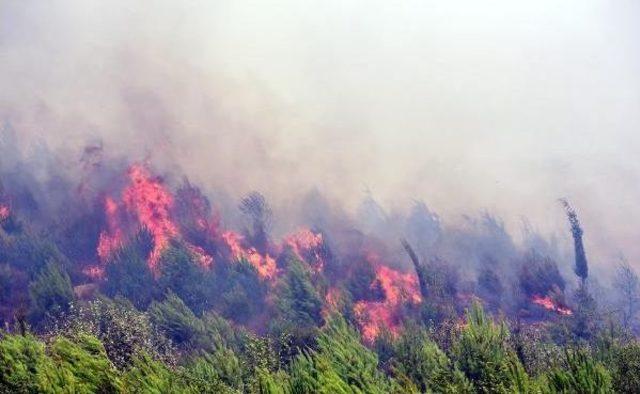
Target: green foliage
{"type": "Point", "coordinates": [241, 292]}
{"type": "Point", "coordinates": [181, 274]}
{"type": "Point", "coordinates": [626, 368]}
{"type": "Point", "coordinates": [209, 333]}
{"type": "Point", "coordinates": [176, 320]}
{"type": "Point", "coordinates": [419, 360]}
{"type": "Point", "coordinates": [31, 254]}
{"type": "Point", "coordinates": [124, 331]}
{"type": "Point", "coordinates": [219, 332]}
{"type": "Point", "coordinates": [581, 374]}
{"type": "Point", "coordinates": [79, 366]}
{"type": "Point", "coordinates": [219, 372]}
{"type": "Point", "coordinates": [299, 302]}
{"type": "Point", "coordinates": [129, 275]}
{"type": "Point", "coordinates": [51, 293]}
{"type": "Point", "coordinates": [483, 354]}
{"type": "Point", "coordinates": [24, 366]}
{"type": "Point", "coordinates": [148, 376]}
{"type": "Point", "coordinates": [340, 365]}
{"type": "Point", "coordinates": [83, 366]}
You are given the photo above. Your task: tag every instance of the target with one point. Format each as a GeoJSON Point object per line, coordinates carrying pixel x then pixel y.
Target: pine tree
{"type": "Point", "coordinates": [581, 268]}
{"type": "Point", "coordinates": [51, 294]}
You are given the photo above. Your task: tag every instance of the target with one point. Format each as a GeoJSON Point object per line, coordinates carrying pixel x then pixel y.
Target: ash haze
{"type": "Point", "coordinates": [470, 106]}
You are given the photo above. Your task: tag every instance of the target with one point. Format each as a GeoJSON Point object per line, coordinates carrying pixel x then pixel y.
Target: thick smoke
{"type": "Point", "coordinates": [322, 106]}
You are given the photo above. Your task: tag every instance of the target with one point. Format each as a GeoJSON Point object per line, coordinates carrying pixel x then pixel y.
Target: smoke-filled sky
{"type": "Point", "coordinates": [501, 106]}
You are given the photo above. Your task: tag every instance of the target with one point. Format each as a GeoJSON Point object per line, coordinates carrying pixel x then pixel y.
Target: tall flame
{"type": "Point", "coordinates": [110, 240]}
{"type": "Point", "coordinates": [147, 198]}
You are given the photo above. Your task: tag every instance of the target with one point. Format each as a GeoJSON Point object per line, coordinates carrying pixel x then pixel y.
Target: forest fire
{"type": "Point", "coordinates": [150, 204]}
{"type": "Point", "coordinates": [383, 297]}
{"type": "Point", "coordinates": [399, 288]}
{"type": "Point", "coordinates": [549, 304]}
{"type": "Point", "coordinates": [397, 197]}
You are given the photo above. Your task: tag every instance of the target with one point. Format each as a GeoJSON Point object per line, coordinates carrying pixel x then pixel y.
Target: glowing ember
{"type": "Point", "coordinates": [399, 288]}
{"type": "Point", "coordinates": [4, 212]}
{"type": "Point", "coordinates": [94, 272]}
{"type": "Point", "coordinates": [147, 198]}
{"type": "Point", "coordinates": [265, 265]}
{"type": "Point", "coordinates": [551, 305]}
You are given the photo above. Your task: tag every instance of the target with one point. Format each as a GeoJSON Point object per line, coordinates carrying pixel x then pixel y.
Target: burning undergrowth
{"type": "Point", "coordinates": [137, 235]}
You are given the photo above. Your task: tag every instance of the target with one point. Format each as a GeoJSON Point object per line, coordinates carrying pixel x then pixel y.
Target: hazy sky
{"type": "Point", "coordinates": [497, 105]}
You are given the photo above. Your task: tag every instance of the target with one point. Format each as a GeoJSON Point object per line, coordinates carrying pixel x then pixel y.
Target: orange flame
{"type": "Point", "coordinates": [265, 265]}
{"type": "Point", "coordinates": [150, 202]}
{"type": "Point", "coordinates": [147, 198]}
{"type": "Point", "coordinates": [306, 245]}
{"type": "Point", "coordinates": [549, 304]}
{"type": "Point", "coordinates": [111, 239]}
{"type": "Point", "coordinates": [399, 288]}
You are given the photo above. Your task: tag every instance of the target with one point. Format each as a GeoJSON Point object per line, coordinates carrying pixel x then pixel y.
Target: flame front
{"type": "Point", "coordinates": [549, 304]}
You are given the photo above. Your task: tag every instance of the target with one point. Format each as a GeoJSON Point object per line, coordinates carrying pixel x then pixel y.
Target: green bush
{"type": "Point", "coordinates": [581, 374]}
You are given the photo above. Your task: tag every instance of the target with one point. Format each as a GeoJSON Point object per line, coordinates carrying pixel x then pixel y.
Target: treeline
{"type": "Point", "coordinates": [187, 327]}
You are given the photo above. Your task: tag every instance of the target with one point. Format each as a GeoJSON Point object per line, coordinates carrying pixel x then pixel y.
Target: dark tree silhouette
{"type": "Point", "coordinates": [582, 268]}
{"type": "Point", "coordinates": [257, 209]}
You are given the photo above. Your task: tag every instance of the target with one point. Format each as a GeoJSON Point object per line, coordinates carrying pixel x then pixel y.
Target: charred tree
{"type": "Point", "coordinates": [422, 279]}
{"type": "Point", "coordinates": [581, 269]}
